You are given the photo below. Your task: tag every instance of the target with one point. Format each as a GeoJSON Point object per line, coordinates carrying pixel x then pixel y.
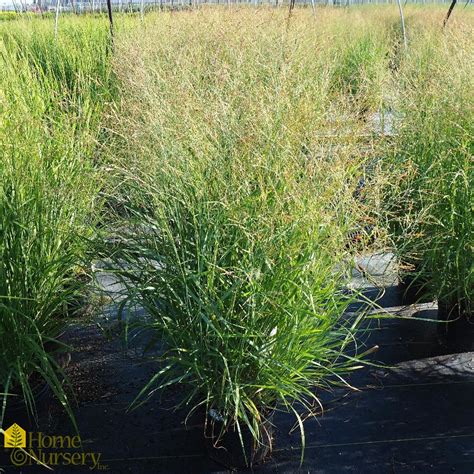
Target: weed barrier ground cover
{"type": "Point", "coordinates": [413, 416]}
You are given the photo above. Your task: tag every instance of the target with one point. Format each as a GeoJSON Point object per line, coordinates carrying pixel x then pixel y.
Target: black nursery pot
{"type": "Point", "coordinates": [449, 310]}
{"type": "Point", "coordinates": [227, 449]}
{"type": "Point", "coordinates": [413, 289]}
{"type": "Point", "coordinates": [16, 409]}
{"type": "Point", "coordinates": [41, 391]}
{"type": "Point", "coordinates": [456, 326]}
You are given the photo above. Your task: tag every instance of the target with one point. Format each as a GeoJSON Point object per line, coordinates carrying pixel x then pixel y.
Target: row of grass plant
{"type": "Point", "coordinates": [429, 164]}
{"type": "Point", "coordinates": [53, 93]}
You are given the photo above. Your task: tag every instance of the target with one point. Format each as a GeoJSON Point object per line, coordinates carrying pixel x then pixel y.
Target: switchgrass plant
{"type": "Point", "coordinates": [244, 302]}
{"type": "Point", "coordinates": [286, 89]}
{"type": "Point", "coordinates": [8, 16]}
{"type": "Point", "coordinates": [365, 45]}
{"type": "Point", "coordinates": [431, 203]}
{"type": "Point", "coordinates": [52, 94]}
{"type": "Point", "coordinates": [239, 209]}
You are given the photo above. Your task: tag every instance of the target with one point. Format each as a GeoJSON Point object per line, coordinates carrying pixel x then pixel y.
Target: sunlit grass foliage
{"type": "Point", "coordinates": [52, 94]}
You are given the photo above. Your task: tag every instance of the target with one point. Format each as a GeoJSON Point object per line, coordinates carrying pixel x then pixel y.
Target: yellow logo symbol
{"type": "Point", "coordinates": [15, 437]}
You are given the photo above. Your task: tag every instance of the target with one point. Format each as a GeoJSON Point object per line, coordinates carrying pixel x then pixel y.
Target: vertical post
{"type": "Point", "coordinates": [402, 20]}
{"type": "Point", "coordinates": [111, 20]}
{"type": "Point", "coordinates": [290, 11]}
{"type": "Point", "coordinates": [56, 19]}
{"type": "Point", "coordinates": [451, 8]}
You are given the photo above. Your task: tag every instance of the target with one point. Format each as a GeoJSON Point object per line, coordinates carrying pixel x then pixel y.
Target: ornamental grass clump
{"type": "Point", "coordinates": [362, 49]}
{"type": "Point", "coordinates": [431, 205]}
{"type": "Point", "coordinates": [49, 101]}
{"type": "Point", "coordinates": [242, 298]}
{"type": "Point", "coordinates": [239, 215]}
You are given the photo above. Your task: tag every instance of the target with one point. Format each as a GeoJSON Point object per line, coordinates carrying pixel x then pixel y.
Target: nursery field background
{"type": "Point", "coordinates": [249, 211]}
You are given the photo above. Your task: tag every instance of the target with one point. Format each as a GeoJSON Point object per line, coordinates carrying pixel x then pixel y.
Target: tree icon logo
{"type": "Point", "coordinates": [15, 437]}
